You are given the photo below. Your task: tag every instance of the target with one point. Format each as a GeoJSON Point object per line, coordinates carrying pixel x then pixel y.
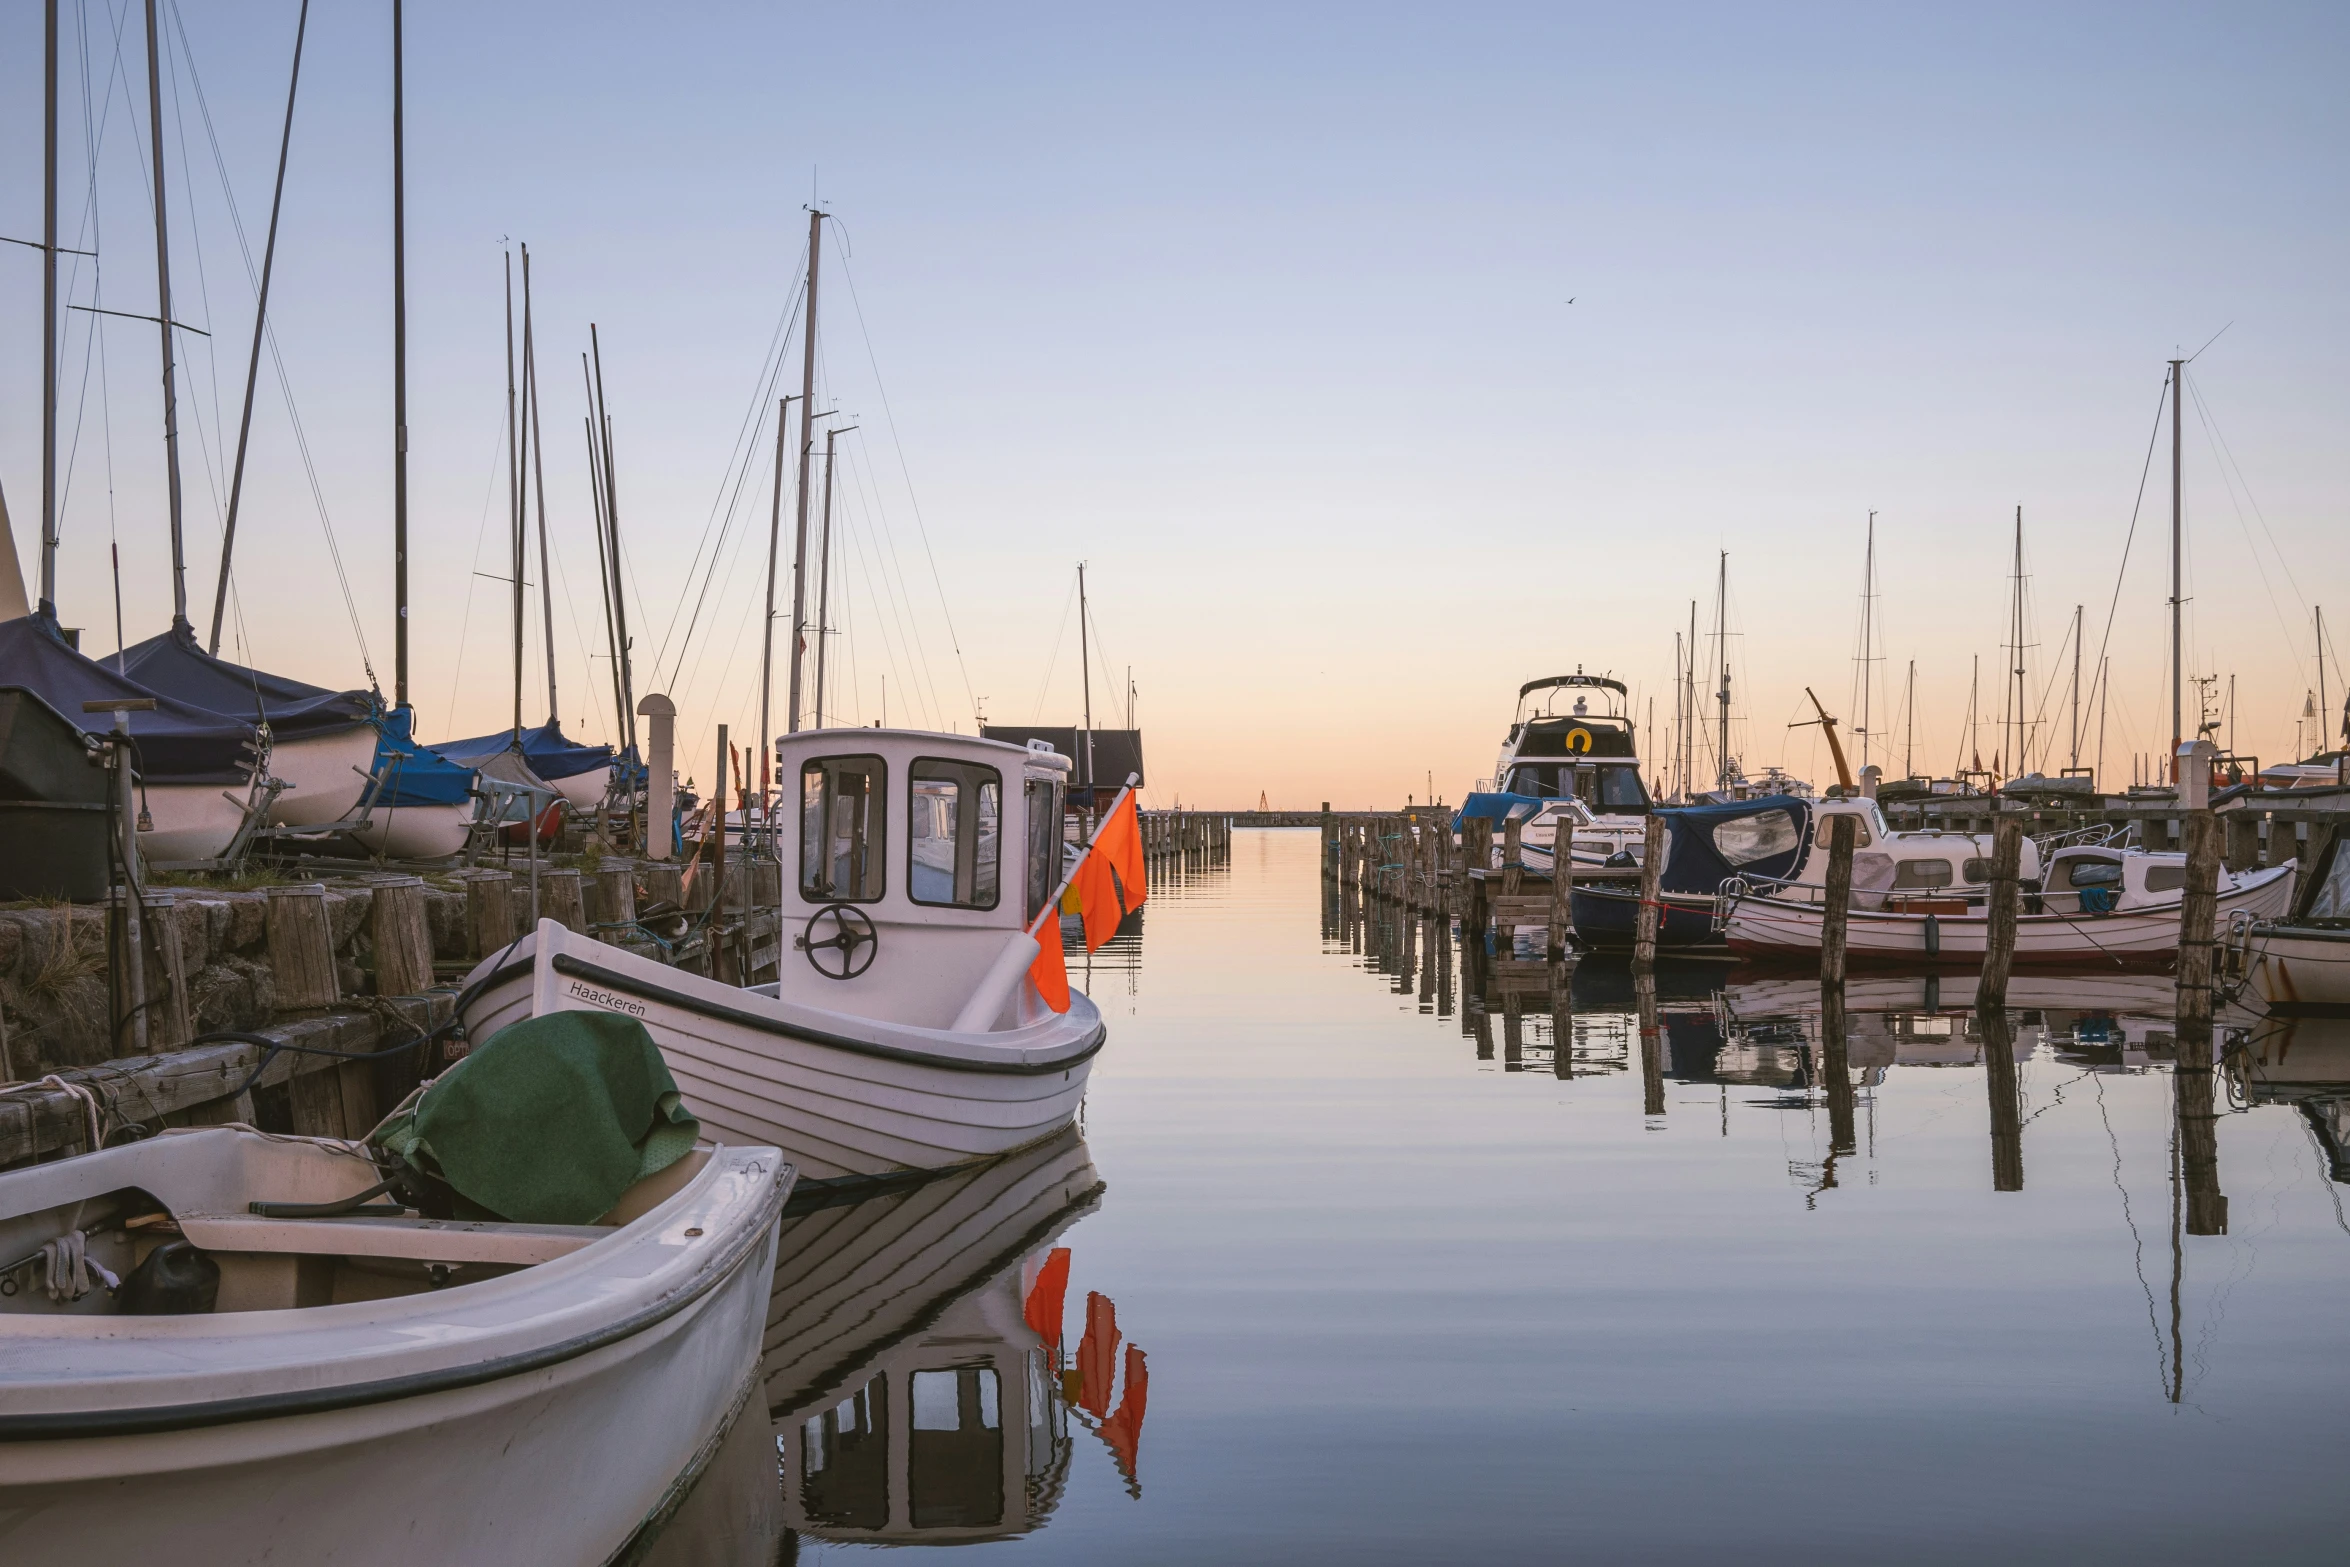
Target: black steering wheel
{"type": "Point", "coordinates": [853, 937]}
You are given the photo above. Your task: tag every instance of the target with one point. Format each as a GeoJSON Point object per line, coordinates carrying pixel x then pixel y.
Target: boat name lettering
{"type": "Point", "coordinates": [605, 998]}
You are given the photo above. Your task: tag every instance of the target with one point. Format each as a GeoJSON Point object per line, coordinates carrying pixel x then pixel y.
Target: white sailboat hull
{"type": "Point", "coordinates": [326, 773]}
{"type": "Point", "coordinates": [416, 832]}
{"type": "Point", "coordinates": [2143, 937]}
{"type": "Point", "coordinates": [191, 821]}
{"type": "Point", "coordinates": [841, 1094]}
{"type": "Point", "coordinates": [549, 1426]}
{"type": "Point", "coordinates": [2301, 966]}
{"type": "Point", "coordinates": [583, 791]}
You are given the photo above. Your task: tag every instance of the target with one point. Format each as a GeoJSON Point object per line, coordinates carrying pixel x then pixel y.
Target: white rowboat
{"type": "Point", "coordinates": [338, 1403]}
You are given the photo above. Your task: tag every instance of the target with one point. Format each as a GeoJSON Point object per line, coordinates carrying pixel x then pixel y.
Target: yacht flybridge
{"type": "Point", "coordinates": [1570, 755]}
{"type": "Point", "coordinates": [917, 1024]}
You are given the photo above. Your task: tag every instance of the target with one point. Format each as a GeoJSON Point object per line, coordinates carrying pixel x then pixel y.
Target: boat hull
{"type": "Point", "coordinates": [2301, 966]}
{"type": "Point", "coordinates": [191, 821]}
{"type": "Point", "coordinates": [416, 832]}
{"type": "Point", "coordinates": [583, 791]}
{"type": "Point", "coordinates": [623, 1377]}
{"type": "Point", "coordinates": [1782, 929]}
{"type": "Point", "coordinates": [327, 773]}
{"type": "Point", "coordinates": [842, 1095]}
{"type": "Point", "coordinates": [1609, 919]}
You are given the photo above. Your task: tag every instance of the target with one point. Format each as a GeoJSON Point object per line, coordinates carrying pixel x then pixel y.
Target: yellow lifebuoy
{"type": "Point", "coordinates": [1579, 739]}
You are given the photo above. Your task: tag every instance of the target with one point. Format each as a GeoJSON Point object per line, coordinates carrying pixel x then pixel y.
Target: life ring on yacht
{"type": "Point", "coordinates": [853, 937]}
{"type": "Point", "coordinates": [1579, 740]}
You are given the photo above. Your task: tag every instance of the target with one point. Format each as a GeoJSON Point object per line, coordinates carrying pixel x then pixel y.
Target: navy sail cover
{"type": "Point", "coordinates": [173, 665]}
{"type": "Point", "coordinates": [178, 742]}
{"type": "Point", "coordinates": [1707, 844]}
{"type": "Point", "coordinates": [548, 752]}
{"type": "Point", "coordinates": [412, 774]}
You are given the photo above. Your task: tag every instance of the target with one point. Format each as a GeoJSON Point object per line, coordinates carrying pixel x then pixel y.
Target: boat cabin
{"type": "Point", "coordinates": [918, 856]}
{"type": "Point", "coordinates": [1897, 869]}
{"type": "Point", "coordinates": [2091, 880]}
{"type": "Point", "coordinates": [1573, 739]}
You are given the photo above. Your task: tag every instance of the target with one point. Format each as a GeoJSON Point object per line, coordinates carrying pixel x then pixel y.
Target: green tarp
{"type": "Point", "coordinates": [549, 1120]}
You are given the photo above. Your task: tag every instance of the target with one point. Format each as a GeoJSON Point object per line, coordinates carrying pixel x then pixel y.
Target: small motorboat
{"type": "Point", "coordinates": [2117, 907]}
{"type": "Point", "coordinates": [215, 1336]}
{"type": "Point", "coordinates": [908, 1030]}
{"type": "Point", "coordinates": [2302, 960]}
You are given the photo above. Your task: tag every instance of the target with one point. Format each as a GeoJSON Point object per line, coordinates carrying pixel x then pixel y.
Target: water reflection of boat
{"type": "Point", "coordinates": [913, 1368]}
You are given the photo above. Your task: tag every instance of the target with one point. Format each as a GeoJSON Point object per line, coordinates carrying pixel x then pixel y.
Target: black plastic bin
{"type": "Point", "coordinates": [54, 812]}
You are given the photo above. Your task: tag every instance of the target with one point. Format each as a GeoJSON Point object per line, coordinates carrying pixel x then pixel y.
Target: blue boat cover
{"type": "Point", "coordinates": [550, 755]}
{"type": "Point", "coordinates": [1497, 807]}
{"type": "Point", "coordinates": [175, 666]}
{"type": "Point", "coordinates": [1695, 860]}
{"type": "Point", "coordinates": [415, 774]}
{"type": "Point", "coordinates": [176, 743]}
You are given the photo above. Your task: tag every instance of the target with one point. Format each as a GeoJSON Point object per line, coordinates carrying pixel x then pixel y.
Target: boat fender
{"type": "Point", "coordinates": [176, 1280]}
{"type": "Point", "coordinates": [1933, 935]}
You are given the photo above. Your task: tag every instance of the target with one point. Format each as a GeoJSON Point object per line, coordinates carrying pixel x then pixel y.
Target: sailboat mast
{"type": "Point", "coordinates": [399, 375]}
{"type": "Point", "coordinates": [799, 559]}
{"type": "Point", "coordinates": [48, 599]}
{"type": "Point", "coordinates": [1689, 693]}
{"type": "Point", "coordinates": [620, 659]}
{"type": "Point", "coordinates": [767, 620]}
{"type": "Point", "coordinates": [2076, 761]}
{"type": "Point", "coordinates": [2177, 565]}
{"type": "Point", "coordinates": [236, 483]}
{"type": "Point", "coordinates": [1085, 675]}
{"type": "Point", "coordinates": [1722, 649]}
{"type": "Point", "coordinates": [1672, 767]}
{"type": "Point", "coordinates": [171, 424]}
{"type": "Point", "coordinates": [2011, 729]}
{"type": "Point", "coordinates": [1909, 731]}
{"type": "Point", "coordinates": [538, 465]}
{"type": "Point", "coordinates": [824, 571]}
{"type": "Point", "coordinates": [603, 554]}
{"type": "Point", "coordinates": [1868, 632]}
{"type": "Point", "coordinates": [514, 529]}
{"type": "Point", "coordinates": [2323, 711]}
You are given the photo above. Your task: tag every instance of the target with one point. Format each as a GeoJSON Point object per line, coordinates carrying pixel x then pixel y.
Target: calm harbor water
{"type": "Point", "coordinates": [1359, 1270]}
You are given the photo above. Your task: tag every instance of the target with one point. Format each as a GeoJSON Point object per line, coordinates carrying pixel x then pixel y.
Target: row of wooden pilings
{"type": "Point", "coordinates": [1414, 858]}
{"type": "Point", "coordinates": [1181, 834]}
{"type": "Point", "coordinates": [2194, 1073]}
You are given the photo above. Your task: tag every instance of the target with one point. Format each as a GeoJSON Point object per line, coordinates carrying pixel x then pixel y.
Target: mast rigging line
{"type": "Point", "coordinates": [740, 458]}
{"type": "Point", "coordinates": [922, 526]}
{"type": "Point", "coordinates": [2145, 471]}
{"type": "Point", "coordinates": [899, 602]}
{"type": "Point", "coordinates": [269, 335]}
{"type": "Point", "coordinates": [2225, 460]}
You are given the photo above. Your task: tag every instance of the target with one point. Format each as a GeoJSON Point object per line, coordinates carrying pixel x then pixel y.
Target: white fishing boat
{"type": "Point", "coordinates": [2071, 923]}
{"type": "Point", "coordinates": [2302, 960]}
{"type": "Point", "coordinates": [363, 1388]}
{"type": "Point", "coordinates": [907, 1031]}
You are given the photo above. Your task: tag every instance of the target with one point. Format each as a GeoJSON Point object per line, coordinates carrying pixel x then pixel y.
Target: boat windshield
{"type": "Point", "coordinates": [841, 828]}
{"type": "Point", "coordinates": [1607, 788]}
{"type": "Point", "coordinates": [952, 814]}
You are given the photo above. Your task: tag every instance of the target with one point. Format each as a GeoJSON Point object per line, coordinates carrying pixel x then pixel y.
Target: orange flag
{"type": "Point", "coordinates": [1047, 1297]}
{"type": "Point", "coordinates": [1120, 842]}
{"type": "Point", "coordinates": [1123, 1430]}
{"type": "Point", "coordinates": [1097, 898]}
{"type": "Point", "coordinates": [1049, 973]}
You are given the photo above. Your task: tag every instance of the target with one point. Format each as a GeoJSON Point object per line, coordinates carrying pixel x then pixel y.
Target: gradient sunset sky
{"type": "Point", "coordinates": [1265, 312]}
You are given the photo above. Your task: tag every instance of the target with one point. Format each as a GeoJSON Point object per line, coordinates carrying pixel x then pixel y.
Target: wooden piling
{"type": "Point", "coordinates": [562, 899]}
{"type": "Point", "coordinates": [2198, 913]}
{"type": "Point", "coordinates": [403, 942]}
{"type": "Point", "coordinates": [302, 948]}
{"type": "Point", "coordinates": [1562, 887]}
{"type": "Point", "coordinates": [1837, 910]}
{"type": "Point", "coordinates": [2243, 841]}
{"type": "Point", "coordinates": [1650, 914]}
{"type": "Point", "coordinates": [612, 903]}
{"type": "Point", "coordinates": [2007, 845]}
{"type": "Point", "coordinates": [1652, 1048]}
{"type": "Point", "coordinates": [489, 915]}
{"type": "Point", "coordinates": [1513, 865]}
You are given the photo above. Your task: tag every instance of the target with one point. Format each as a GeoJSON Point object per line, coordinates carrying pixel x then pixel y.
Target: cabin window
{"type": "Point", "coordinates": [1977, 871]}
{"type": "Point", "coordinates": [1044, 842]}
{"type": "Point", "coordinates": [955, 1449]}
{"type": "Point", "coordinates": [843, 834]}
{"type": "Point", "coordinates": [2165, 878]}
{"type": "Point", "coordinates": [844, 1461]}
{"type": "Point", "coordinates": [1745, 839]}
{"type": "Point", "coordinates": [954, 822]}
{"type": "Point", "coordinates": [1619, 789]}
{"type": "Point", "coordinates": [1540, 782]}
{"type": "Point", "coordinates": [1916, 875]}
{"type": "Point", "coordinates": [2094, 873]}
{"type": "Point", "coordinates": [1860, 828]}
